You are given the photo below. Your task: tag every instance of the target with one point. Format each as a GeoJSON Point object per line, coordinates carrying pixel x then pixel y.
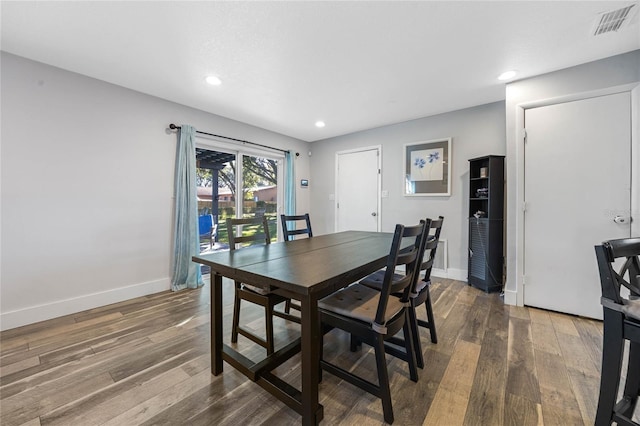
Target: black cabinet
{"type": "Point", "coordinates": [486, 222]}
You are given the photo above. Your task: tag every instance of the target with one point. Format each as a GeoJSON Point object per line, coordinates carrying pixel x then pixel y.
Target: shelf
{"type": "Point", "coordinates": [486, 242]}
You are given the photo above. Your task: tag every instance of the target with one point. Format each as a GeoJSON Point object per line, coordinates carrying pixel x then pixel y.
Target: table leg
{"type": "Point", "coordinates": [310, 325]}
{"type": "Point", "coordinates": [216, 324]}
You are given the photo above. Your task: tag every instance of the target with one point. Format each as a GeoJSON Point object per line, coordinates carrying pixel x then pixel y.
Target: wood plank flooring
{"type": "Point", "coordinates": [146, 362]}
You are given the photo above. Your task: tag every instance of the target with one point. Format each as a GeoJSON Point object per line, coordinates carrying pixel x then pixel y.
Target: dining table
{"type": "Point", "coordinates": [306, 270]}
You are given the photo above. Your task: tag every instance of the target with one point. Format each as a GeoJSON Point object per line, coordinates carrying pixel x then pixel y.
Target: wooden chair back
{"type": "Point", "coordinates": [400, 257]}
{"type": "Point", "coordinates": [290, 229]}
{"type": "Point", "coordinates": [260, 236]}
{"type": "Point", "coordinates": [430, 246]}
{"type": "Point", "coordinates": [612, 281]}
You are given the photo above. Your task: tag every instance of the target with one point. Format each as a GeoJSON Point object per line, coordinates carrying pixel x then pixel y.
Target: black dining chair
{"type": "Point", "coordinates": [262, 296]}
{"type": "Point", "coordinates": [291, 229]}
{"type": "Point", "coordinates": [621, 323]}
{"type": "Point", "coordinates": [291, 226]}
{"type": "Point", "coordinates": [373, 316]}
{"type": "Point", "coordinates": [420, 294]}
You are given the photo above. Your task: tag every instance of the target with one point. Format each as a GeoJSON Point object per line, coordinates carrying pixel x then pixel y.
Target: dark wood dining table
{"type": "Point", "coordinates": [306, 270]}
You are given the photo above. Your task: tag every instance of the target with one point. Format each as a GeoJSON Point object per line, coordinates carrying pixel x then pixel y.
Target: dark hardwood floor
{"type": "Point", "coordinates": [146, 361]}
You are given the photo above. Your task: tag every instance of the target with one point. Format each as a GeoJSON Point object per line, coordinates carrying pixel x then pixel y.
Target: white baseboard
{"type": "Point", "coordinates": [510, 297]}
{"type": "Point", "coordinates": [451, 273]}
{"type": "Point", "coordinates": [60, 308]}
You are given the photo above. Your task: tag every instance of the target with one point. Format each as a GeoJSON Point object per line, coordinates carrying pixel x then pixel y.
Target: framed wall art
{"type": "Point", "coordinates": [427, 168]}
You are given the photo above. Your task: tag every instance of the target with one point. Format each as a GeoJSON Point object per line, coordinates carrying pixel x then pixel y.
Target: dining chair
{"type": "Point", "coordinates": [262, 296]}
{"type": "Point", "coordinates": [374, 316]}
{"type": "Point", "coordinates": [290, 226]}
{"type": "Point", "coordinates": [291, 229]}
{"type": "Point", "coordinates": [420, 294]}
{"type": "Point", "coordinates": [621, 323]}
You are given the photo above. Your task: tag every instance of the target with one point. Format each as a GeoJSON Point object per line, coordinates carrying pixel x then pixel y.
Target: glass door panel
{"type": "Point", "coordinates": [216, 191]}
{"type": "Point", "coordinates": [260, 191]}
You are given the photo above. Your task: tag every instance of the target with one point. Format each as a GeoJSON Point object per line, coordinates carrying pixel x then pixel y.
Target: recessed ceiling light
{"type": "Point", "coordinates": [507, 75]}
{"type": "Point", "coordinates": [213, 80]}
{"type": "Point", "coordinates": [320, 124]}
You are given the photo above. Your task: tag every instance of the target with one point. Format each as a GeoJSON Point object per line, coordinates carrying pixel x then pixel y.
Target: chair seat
{"type": "Point", "coordinates": [375, 281]}
{"type": "Point", "coordinates": [631, 308]}
{"type": "Point", "coordinates": [359, 302]}
{"type": "Point", "coordinates": [255, 289]}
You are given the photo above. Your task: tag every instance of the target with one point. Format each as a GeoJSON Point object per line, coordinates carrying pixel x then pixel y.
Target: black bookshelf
{"type": "Point", "coordinates": [486, 222]}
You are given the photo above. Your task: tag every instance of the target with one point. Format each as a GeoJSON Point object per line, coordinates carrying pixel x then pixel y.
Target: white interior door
{"type": "Point", "coordinates": [577, 180]}
{"type": "Point", "coordinates": [358, 190]}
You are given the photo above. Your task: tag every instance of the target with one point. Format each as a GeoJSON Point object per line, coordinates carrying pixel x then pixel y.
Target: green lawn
{"type": "Point", "coordinates": [272, 220]}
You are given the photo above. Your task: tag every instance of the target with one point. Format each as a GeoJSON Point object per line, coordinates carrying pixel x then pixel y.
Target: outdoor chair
{"type": "Point", "coordinates": [207, 229]}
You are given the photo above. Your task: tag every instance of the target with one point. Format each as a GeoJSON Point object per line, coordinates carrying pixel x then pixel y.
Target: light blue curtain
{"type": "Point", "coordinates": [186, 274]}
{"type": "Point", "coordinates": [289, 185]}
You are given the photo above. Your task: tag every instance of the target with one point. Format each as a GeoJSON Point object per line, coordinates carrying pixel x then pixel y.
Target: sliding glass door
{"type": "Point", "coordinates": [231, 188]}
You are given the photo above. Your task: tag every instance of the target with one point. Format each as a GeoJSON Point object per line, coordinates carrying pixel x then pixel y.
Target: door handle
{"type": "Point", "coordinates": [374, 214]}
{"type": "Point", "coordinates": [622, 219]}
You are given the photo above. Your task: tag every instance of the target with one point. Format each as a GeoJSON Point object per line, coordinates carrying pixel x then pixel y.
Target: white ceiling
{"type": "Point", "coordinates": [284, 65]}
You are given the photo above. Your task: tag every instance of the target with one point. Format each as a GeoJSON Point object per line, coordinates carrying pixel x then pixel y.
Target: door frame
{"type": "Point", "coordinates": [634, 89]}
{"type": "Point", "coordinates": [378, 149]}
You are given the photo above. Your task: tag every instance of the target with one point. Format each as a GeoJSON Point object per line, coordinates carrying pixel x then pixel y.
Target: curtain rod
{"type": "Point", "coordinates": [174, 127]}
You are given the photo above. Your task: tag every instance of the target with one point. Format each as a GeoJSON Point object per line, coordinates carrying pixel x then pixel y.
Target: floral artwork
{"type": "Point", "coordinates": [427, 168]}
{"type": "Point", "coordinates": [427, 164]}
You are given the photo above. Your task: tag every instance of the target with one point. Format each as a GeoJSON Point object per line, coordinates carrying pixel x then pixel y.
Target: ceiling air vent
{"type": "Point", "coordinates": [612, 21]}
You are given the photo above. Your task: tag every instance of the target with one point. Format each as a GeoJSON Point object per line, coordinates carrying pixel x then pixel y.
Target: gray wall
{"type": "Point", "coordinates": [583, 80]}
{"type": "Point", "coordinates": [87, 179]}
{"type": "Point", "coordinates": [87, 189]}
{"type": "Point", "coordinates": [474, 131]}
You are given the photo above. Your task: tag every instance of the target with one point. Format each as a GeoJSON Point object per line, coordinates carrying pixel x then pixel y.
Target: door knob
{"type": "Point", "coordinates": [622, 219]}
{"type": "Point", "coordinates": [374, 214]}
